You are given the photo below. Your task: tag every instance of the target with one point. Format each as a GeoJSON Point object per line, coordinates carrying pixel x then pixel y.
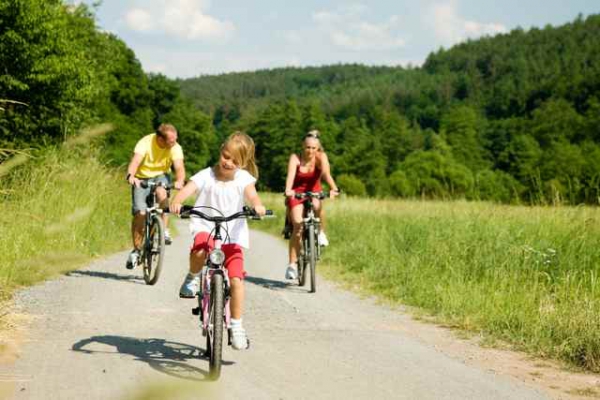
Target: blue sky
{"type": "Point", "coordinates": [186, 38]}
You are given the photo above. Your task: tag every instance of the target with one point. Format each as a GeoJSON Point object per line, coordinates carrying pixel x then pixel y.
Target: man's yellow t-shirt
{"type": "Point", "coordinates": [156, 161]}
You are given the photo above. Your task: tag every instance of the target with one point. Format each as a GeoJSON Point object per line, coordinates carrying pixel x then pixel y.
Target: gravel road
{"type": "Point", "coordinates": [101, 333]}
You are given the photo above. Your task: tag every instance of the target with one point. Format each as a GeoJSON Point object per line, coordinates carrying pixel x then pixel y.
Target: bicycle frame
{"type": "Point", "coordinates": [209, 270]}
{"type": "Point", "coordinates": [153, 247]}
{"type": "Point", "coordinates": [309, 218]}
{"type": "Point", "coordinates": [310, 251]}
{"type": "Point", "coordinates": [213, 273]}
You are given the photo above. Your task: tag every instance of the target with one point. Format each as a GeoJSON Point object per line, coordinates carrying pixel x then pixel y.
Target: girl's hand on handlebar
{"type": "Point", "coordinates": [290, 193]}
{"type": "Point", "coordinates": [260, 210]}
{"type": "Point", "coordinates": [175, 208]}
{"type": "Point", "coordinates": [333, 193]}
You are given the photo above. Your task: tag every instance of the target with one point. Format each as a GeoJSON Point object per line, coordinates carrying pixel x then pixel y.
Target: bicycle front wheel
{"type": "Point", "coordinates": [312, 257]}
{"type": "Point", "coordinates": [155, 250]}
{"type": "Point", "coordinates": [302, 266]}
{"type": "Point", "coordinates": [214, 338]}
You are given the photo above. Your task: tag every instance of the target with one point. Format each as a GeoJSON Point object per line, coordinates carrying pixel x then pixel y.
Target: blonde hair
{"type": "Point", "coordinates": [314, 134]}
{"type": "Point", "coordinates": [241, 148]}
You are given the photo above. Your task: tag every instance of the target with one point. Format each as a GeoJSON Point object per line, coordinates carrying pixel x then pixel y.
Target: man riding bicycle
{"type": "Point", "coordinates": [153, 157]}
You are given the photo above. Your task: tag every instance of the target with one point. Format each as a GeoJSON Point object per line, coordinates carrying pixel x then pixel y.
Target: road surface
{"type": "Point", "coordinates": [101, 333]}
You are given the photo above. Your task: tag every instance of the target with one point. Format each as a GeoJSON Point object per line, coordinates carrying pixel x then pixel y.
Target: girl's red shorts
{"type": "Point", "coordinates": [234, 256]}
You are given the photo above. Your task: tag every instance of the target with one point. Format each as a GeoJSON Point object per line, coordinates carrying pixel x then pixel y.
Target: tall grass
{"type": "Point", "coordinates": [58, 210]}
{"type": "Point", "coordinates": [527, 275]}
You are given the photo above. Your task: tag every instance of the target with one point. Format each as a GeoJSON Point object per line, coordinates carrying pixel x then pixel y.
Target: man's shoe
{"type": "Point", "coordinates": [322, 239]}
{"type": "Point", "coordinates": [133, 259]}
{"type": "Point", "coordinates": [292, 271]}
{"type": "Point", "coordinates": [239, 339]}
{"type": "Point", "coordinates": [190, 286]}
{"type": "Point", "coordinates": [168, 239]}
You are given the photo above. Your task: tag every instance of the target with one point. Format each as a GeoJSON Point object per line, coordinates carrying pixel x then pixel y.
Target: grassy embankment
{"type": "Point", "coordinates": [59, 209]}
{"type": "Point", "coordinates": [526, 275]}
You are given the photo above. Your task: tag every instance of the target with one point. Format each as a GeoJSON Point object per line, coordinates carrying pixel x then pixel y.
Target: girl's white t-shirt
{"type": "Point", "coordinates": [228, 198]}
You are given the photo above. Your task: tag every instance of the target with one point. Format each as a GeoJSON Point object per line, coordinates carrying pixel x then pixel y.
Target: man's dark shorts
{"type": "Point", "coordinates": [139, 196]}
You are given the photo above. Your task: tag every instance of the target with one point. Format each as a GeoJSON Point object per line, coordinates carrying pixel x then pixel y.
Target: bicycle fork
{"type": "Point", "coordinates": [203, 308]}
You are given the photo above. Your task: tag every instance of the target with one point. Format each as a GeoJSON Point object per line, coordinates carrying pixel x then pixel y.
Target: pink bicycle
{"type": "Point", "coordinates": [213, 300]}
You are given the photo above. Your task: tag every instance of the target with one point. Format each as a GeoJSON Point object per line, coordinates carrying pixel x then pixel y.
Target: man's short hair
{"type": "Point", "coordinates": [163, 129]}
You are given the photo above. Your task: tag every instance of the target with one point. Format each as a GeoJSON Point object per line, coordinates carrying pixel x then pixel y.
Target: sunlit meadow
{"type": "Point", "coordinates": [526, 275]}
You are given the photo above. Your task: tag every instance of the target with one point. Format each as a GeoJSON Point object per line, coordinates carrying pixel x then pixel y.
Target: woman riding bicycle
{"type": "Point", "coordinates": [304, 174]}
{"type": "Point", "coordinates": [221, 190]}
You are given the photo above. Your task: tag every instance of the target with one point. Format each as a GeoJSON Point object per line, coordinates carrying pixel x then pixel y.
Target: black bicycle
{"type": "Point", "coordinates": [153, 248]}
{"type": "Point", "coordinates": [310, 251]}
{"type": "Point", "coordinates": [213, 300]}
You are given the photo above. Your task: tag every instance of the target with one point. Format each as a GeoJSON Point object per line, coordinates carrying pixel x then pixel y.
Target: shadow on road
{"type": "Point", "coordinates": [108, 275]}
{"type": "Point", "coordinates": [162, 355]}
{"type": "Point", "coordinates": [275, 285]}
{"type": "Point", "coordinates": [267, 283]}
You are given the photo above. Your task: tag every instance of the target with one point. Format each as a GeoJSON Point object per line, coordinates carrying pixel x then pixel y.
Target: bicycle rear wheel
{"type": "Point", "coordinates": [214, 337]}
{"type": "Point", "coordinates": [155, 250]}
{"type": "Point", "coordinates": [312, 257]}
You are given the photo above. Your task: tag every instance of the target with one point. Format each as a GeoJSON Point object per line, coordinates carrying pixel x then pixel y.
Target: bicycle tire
{"type": "Point", "coordinates": [155, 250]}
{"type": "Point", "coordinates": [214, 337]}
{"type": "Point", "coordinates": [301, 267]}
{"type": "Point", "coordinates": [312, 257]}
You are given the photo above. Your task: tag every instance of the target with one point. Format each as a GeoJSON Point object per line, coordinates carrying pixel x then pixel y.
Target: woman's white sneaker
{"type": "Point", "coordinates": [322, 239]}
{"type": "Point", "coordinates": [292, 271]}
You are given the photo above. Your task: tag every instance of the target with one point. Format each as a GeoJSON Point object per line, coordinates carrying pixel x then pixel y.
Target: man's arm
{"type": "Point", "coordinates": [179, 173]}
{"type": "Point", "coordinates": [134, 164]}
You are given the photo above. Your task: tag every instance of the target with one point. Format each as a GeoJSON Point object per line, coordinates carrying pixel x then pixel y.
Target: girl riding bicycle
{"type": "Point", "coordinates": [222, 190]}
{"type": "Point", "coordinates": [304, 174]}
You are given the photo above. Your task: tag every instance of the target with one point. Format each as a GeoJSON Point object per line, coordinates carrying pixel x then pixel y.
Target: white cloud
{"type": "Point", "coordinates": [346, 28]}
{"type": "Point", "coordinates": [185, 19]}
{"type": "Point", "coordinates": [139, 20]}
{"type": "Point", "coordinates": [451, 28]}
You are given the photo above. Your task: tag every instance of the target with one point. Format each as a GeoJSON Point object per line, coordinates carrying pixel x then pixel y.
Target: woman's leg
{"type": "Point", "coordinates": [295, 240]}
{"type": "Point", "coordinates": [320, 211]}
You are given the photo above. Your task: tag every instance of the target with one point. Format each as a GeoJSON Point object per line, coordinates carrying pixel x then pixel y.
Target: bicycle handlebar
{"type": "Point", "coordinates": [316, 195]}
{"type": "Point", "coordinates": [247, 212]}
{"type": "Point", "coordinates": [146, 185]}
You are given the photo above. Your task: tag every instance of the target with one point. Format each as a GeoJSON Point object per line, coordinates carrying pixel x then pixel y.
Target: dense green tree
{"type": "Point", "coordinates": [351, 185]}
{"type": "Point", "coordinates": [434, 175]}
{"type": "Point", "coordinates": [195, 134]}
{"type": "Point", "coordinates": [46, 66]}
{"type": "Point", "coordinates": [462, 128]}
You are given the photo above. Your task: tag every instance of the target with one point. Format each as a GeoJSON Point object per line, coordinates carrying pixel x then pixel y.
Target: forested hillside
{"type": "Point", "coordinates": [513, 117]}
{"type": "Point", "coordinates": [510, 118]}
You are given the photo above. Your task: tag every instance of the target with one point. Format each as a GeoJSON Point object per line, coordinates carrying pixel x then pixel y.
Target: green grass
{"type": "Point", "coordinates": [526, 275]}
{"type": "Point", "coordinates": [59, 210]}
